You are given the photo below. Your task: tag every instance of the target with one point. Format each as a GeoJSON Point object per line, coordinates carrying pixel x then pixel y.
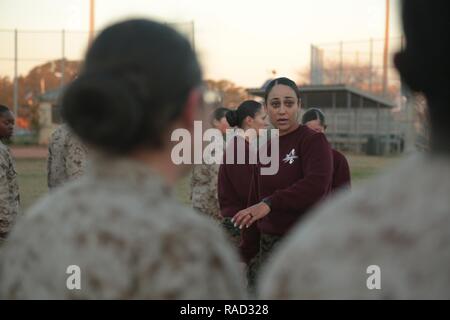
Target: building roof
{"type": "Point", "coordinates": [51, 95]}
{"type": "Point", "coordinates": [333, 87]}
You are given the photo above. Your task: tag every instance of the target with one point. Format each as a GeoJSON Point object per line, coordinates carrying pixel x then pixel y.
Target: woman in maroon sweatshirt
{"type": "Point", "coordinates": [305, 170]}
{"type": "Point", "coordinates": [236, 180]}
{"type": "Point", "coordinates": [314, 119]}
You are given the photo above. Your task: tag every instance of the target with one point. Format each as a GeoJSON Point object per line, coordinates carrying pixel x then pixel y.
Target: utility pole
{"type": "Point", "coordinates": [371, 64]}
{"type": "Point", "coordinates": [386, 49]}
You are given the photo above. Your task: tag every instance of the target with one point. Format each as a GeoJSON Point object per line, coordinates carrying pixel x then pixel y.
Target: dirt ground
{"type": "Point", "coordinates": [29, 152]}
{"type": "Point", "coordinates": [31, 163]}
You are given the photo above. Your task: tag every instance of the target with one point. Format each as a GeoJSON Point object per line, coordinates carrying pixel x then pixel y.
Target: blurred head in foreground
{"type": "Point", "coordinates": [219, 121]}
{"type": "Point", "coordinates": [390, 238]}
{"type": "Point", "coordinates": [314, 119]}
{"type": "Point", "coordinates": [139, 82]}
{"type": "Point", "coordinates": [118, 232]}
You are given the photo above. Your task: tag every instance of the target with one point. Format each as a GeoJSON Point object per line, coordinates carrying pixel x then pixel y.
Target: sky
{"type": "Point", "coordinates": [238, 40]}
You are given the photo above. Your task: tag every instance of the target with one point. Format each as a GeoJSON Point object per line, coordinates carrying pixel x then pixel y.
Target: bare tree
{"type": "Point", "coordinates": [361, 76]}
{"type": "Point", "coordinates": [231, 95]}
{"type": "Point", "coordinates": [40, 79]}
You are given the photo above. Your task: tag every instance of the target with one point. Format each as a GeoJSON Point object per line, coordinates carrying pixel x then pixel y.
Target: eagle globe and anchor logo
{"type": "Point", "coordinates": [290, 157]}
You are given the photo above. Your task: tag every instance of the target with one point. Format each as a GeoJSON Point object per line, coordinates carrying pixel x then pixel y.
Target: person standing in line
{"type": "Point", "coordinates": [9, 187]}
{"type": "Point", "coordinates": [314, 119]}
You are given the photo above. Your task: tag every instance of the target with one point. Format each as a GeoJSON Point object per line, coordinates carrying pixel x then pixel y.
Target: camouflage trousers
{"type": "Point", "coordinates": [233, 233]}
{"type": "Point", "coordinates": [266, 246]}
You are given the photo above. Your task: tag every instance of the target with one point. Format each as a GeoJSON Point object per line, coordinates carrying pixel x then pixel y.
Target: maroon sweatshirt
{"type": "Point", "coordinates": [341, 172]}
{"type": "Point", "coordinates": [235, 182]}
{"type": "Point", "coordinates": [236, 191]}
{"type": "Point", "coordinates": [304, 178]}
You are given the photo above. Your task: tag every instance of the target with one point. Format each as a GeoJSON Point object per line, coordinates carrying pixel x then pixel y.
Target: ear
{"type": "Point", "coordinates": [248, 120]}
{"type": "Point", "coordinates": [408, 71]}
{"type": "Point", "coordinates": [192, 108]}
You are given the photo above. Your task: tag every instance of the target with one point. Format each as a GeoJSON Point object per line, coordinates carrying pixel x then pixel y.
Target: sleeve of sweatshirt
{"type": "Point", "coordinates": [317, 165]}
{"type": "Point", "coordinates": [228, 199]}
{"type": "Point", "coordinates": [341, 175]}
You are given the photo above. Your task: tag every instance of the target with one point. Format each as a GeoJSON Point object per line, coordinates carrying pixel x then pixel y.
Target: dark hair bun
{"type": "Point", "coordinates": [232, 118]}
{"type": "Point", "coordinates": [102, 111]}
{"type": "Point", "coordinates": [135, 81]}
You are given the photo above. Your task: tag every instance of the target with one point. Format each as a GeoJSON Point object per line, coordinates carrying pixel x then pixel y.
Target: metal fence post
{"type": "Point", "coordinates": [16, 77]}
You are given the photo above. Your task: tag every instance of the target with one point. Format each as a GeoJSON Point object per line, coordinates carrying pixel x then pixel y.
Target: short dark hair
{"type": "Point", "coordinates": [284, 81]}
{"type": "Point", "coordinates": [248, 108]}
{"type": "Point", "coordinates": [423, 63]}
{"type": "Point", "coordinates": [4, 109]}
{"type": "Point", "coordinates": [135, 81]}
{"type": "Point", "coordinates": [313, 114]}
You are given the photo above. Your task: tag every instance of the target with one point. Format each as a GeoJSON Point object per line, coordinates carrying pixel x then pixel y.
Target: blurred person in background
{"type": "Point", "coordinates": [120, 224]}
{"type": "Point", "coordinates": [304, 176]}
{"type": "Point", "coordinates": [314, 119]}
{"type": "Point", "coordinates": [9, 187]}
{"type": "Point", "coordinates": [204, 176]}
{"type": "Point", "coordinates": [389, 239]}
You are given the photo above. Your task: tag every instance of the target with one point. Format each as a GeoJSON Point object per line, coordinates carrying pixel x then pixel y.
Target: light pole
{"type": "Point", "coordinates": [91, 21]}
{"type": "Point", "coordinates": [386, 49]}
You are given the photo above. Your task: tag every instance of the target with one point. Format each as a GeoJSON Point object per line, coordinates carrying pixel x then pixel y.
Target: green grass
{"type": "Point", "coordinates": [25, 140]}
{"type": "Point", "coordinates": [363, 167]}
{"type": "Point", "coordinates": [33, 176]}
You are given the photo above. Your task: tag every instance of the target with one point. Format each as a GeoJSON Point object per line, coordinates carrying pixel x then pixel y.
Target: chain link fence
{"type": "Point", "coordinates": [35, 62]}
{"type": "Point", "coordinates": [358, 63]}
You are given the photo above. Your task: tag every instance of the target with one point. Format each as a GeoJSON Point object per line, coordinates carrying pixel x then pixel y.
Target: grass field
{"type": "Point", "coordinates": [33, 176]}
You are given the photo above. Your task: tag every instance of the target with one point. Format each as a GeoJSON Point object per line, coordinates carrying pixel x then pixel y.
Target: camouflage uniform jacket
{"type": "Point", "coordinates": [9, 192]}
{"type": "Point", "coordinates": [399, 222]}
{"type": "Point", "coordinates": [66, 157]}
{"type": "Point", "coordinates": [204, 195]}
{"type": "Point", "coordinates": [131, 240]}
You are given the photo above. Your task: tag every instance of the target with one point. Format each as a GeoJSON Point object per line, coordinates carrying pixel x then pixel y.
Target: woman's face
{"type": "Point", "coordinates": [6, 125]}
{"type": "Point", "coordinates": [257, 123]}
{"type": "Point", "coordinates": [282, 106]}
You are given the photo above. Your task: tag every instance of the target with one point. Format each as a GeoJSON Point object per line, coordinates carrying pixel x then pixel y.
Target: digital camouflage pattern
{"type": "Point", "coordinates": [66, 157]}
{"type": "Point", "coordinates": [204, 195]}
